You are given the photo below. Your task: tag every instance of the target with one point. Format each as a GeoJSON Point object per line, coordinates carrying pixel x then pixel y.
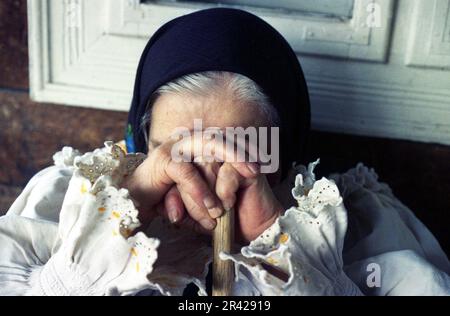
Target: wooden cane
{"type": "Point", "coordinates": [223, 271]}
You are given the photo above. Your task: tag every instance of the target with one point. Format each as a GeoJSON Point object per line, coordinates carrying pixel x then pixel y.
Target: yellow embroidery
{"type": "Point", "coordinates": [122, 146]}
{"type": "Point", "coordinates": [134, 252]}
{"type": "Point", "coordinates": [101, 209]}
{"type": "Point", "coordinates": [272, 261]}
{"type": "Point", "coordinates": [83, 188]}
{"type": "Point", "coordinates": [283, 238]}
{"type": "Point", "coordinates": [137, 267]}
{"type": "Point", "coordinates": [116, 214]}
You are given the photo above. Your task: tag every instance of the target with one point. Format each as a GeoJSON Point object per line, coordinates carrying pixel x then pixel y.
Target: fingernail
{"type": "Point", "coordinates": [227, 206]}
{"type": "Point", "coordinates": [253, 167]}
{"type": "Point", "coordinates": [215, 212]}
{"type": "Point", "coordinates": [173, 215]}
{"type": "Point", "coordinates": [208, 224]}
{"type": "Point", "coordinates": [209, 202]}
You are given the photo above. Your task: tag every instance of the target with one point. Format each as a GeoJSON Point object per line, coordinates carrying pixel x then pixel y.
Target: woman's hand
{"type": "Point", "coordinates": [153, 179]}
{"type": "Point", "coordinates": [249, 192]}
{"type": "Point", "coordinates": [255, 204]}
{"type": "Point", "coordinates": [196, 193]}
{"type": "Point", "coordinates": [236, 184]}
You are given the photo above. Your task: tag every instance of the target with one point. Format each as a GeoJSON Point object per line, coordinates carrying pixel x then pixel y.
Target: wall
{"type": "Point", "coordinates": [386, 77]}
{"type": "Point", "coordinates": [31, 132]}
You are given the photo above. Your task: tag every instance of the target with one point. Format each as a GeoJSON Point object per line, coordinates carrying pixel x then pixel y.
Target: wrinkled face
{"type": "Point", "coordinates": [171, 111]}
{"type": "Point", "coordinates": [180, 110]}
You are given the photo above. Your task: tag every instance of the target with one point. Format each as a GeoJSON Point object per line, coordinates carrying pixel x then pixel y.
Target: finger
{"type": "Point", "coordinates": [190, 182]}
{"type": "Point", "coordinates": [209, 172]}
{"type": "Point", "coordinates": [227, 184]}
{"type": "Point", "coordinates": [173, 205]}
{"type": "Point", "coordinates": [219, 150]}
{"type": "Point", "coordinates": [198, 213]}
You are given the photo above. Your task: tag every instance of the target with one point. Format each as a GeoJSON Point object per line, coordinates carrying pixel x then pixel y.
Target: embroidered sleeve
{"type": "Point", "coordinates": [301, 253]}
{"type": "Point", "coordinates": [92, 251]}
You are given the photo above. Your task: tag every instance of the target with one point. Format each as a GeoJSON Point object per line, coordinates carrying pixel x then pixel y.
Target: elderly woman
{"type": "Point", "coordinates": [138, 221]}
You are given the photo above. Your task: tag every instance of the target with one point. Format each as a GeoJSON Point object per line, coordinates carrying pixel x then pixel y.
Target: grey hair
{"type": "Point", "coordinates": [208, 83]}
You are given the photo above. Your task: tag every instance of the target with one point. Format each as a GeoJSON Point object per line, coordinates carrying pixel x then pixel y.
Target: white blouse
{"type": "Point", "coordinates": [69, 233]}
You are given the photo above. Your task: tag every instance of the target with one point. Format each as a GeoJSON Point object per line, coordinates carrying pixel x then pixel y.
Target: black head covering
{"type": "Point", "coordinates": [232, 40]}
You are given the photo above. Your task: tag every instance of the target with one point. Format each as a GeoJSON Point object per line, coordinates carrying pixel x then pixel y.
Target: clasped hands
{"type": "Point", "coordinates": [179, 182]}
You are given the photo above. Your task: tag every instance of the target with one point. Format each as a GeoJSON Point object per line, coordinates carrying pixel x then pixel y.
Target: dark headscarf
{"type": "Point", "coordinates": [222, 39]}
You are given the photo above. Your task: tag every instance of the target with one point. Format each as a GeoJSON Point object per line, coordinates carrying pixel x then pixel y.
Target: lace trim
{"type": "Point", "coordinates": [313, 196]}
{"type": "Point", "coordinates": [65, 157]}
{"type": "Point", "coordinates": [108, 161]}
{"type": "Point", "coordinates": [106, 218]}
{"type": "Point", "coordinates": [318, 221]}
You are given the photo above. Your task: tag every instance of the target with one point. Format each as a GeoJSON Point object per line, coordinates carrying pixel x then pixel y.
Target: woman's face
{"type": "Point", "coordinates": [171, 111]}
